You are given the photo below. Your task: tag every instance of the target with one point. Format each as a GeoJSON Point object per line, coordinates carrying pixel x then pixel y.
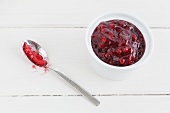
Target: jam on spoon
{"type": "Point", "coordinates": [34, 56]}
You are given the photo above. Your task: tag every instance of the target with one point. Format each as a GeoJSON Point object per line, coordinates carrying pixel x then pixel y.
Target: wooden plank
{"type": "Point", "coordinates": [67, 51]}
{"type": "Point", "coordinates": [118, 104]}
{"type": "Point", "coordinates": [51, 13]}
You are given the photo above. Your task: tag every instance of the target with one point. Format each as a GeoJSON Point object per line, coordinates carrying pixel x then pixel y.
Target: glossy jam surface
{"type": "Point", "coordinates": [118, 43]}
{"type": "Point", "coordinates": [34, 56]}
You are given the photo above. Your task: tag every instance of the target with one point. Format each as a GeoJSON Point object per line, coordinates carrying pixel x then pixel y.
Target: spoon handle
{"type": "Point", "coordinates": [79, 88]}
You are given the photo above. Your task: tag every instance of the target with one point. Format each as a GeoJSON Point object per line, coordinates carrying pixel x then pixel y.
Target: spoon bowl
{"type": "Point", "coordinates": [37, 48]}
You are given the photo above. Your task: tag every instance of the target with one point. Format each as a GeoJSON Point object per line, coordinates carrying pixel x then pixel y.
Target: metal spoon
{"type": "Point", "coordinates": [36, 47]}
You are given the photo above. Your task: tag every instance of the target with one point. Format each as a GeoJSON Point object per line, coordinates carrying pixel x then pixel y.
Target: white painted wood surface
{"type": "Point", "coordinates": [60, 26]}
{"type": "Point", "coordinates": [27, 13]}
{"type": "Point", "coordinates": [118, 104]}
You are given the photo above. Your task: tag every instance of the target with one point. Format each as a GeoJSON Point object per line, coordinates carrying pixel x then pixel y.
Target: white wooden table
{"type": "Point", "coordinates": [60, 26]}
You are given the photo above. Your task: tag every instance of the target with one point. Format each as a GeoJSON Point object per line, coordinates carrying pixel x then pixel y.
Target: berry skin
{"type": "Point", "coordinates": [134, 37]}
{"type": "Point", "coordinates": [118, 51]}
{"type": "Point", "coordinates": [122, 61]}
{"type": "Point", "coordinates": [103, 39]}
{"type": "Point", "coordinates": [125, 50]}
{"type": "Point", "coordinates": [112, 25]}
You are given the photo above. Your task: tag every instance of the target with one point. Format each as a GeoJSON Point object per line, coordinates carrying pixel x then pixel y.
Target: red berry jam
{"type": "Point", "coordinates": [118, 43]}
{"type": "Point", "coordinates": [34, 56]}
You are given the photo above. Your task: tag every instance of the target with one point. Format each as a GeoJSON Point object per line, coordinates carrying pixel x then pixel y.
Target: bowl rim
{"type": "Point", "coordinates": [138, 63]}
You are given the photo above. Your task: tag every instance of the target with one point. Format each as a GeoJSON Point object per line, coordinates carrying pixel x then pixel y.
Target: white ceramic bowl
{"type": "Point", "coordinates": [114, 72]}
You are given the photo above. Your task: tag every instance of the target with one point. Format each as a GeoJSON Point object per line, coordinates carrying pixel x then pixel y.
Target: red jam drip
{"type": "Point", "coordinates": [33, 66]}
{"type": "Point", "coordinates": [118, 42]}
{"type": "Point", "coordinates": [34, 56]}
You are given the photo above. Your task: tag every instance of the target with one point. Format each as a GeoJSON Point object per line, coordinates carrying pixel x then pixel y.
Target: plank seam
{"type": "Point", "coordinates": [98, 95]}
{"type": "Point", "coordinates": [75, 27]}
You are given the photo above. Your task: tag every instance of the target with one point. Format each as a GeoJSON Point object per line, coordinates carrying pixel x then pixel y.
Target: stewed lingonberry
{"type": "Point", "coordinates": [118, 43]}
